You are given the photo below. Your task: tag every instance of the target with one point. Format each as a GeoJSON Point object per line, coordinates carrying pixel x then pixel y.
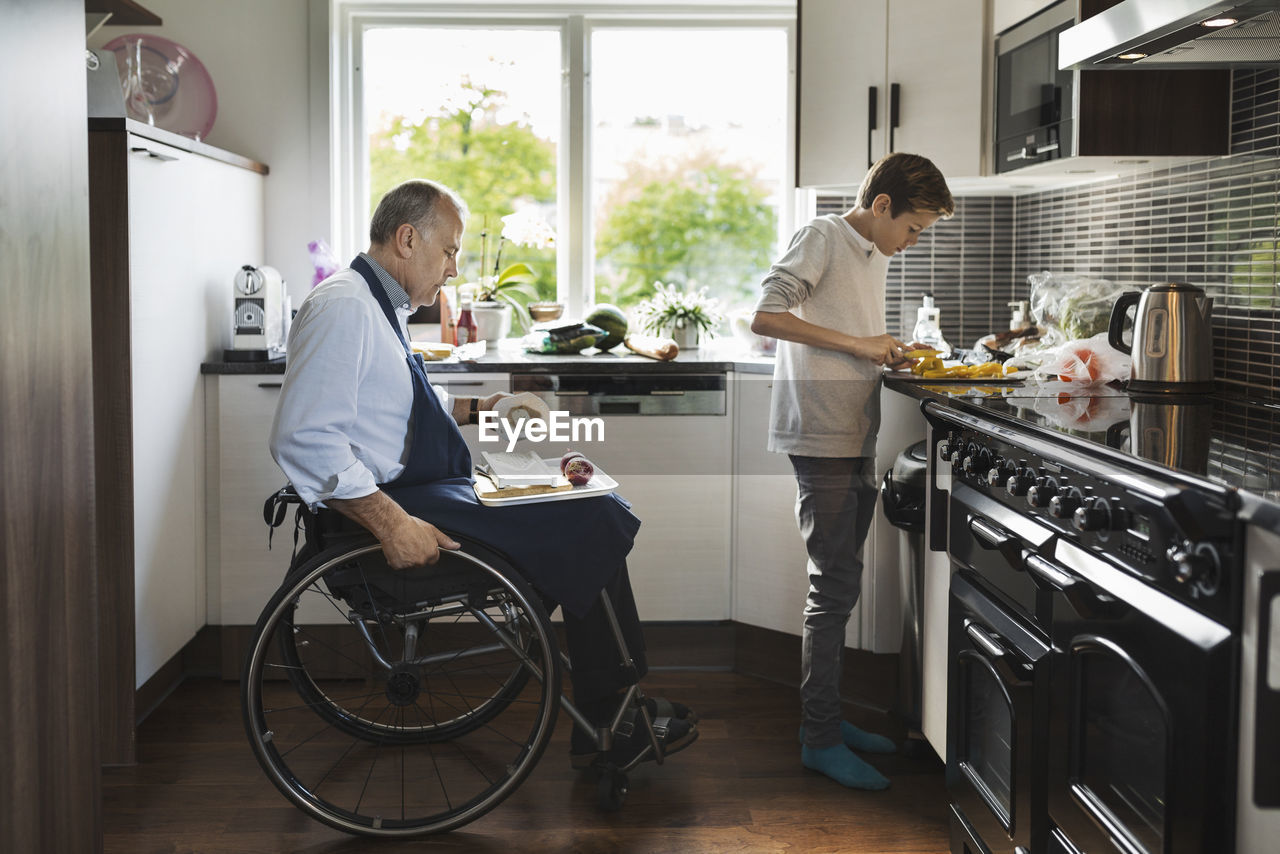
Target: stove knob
{"type": "Point", "coordinates": [1093, 515]}
{"type": "Point", "coordinates": [944, 449]}
{"type": "Point", "coordinates": [1198, 565]}
{"type": "Point", "coordinates": [979, 460]}
{"type": "Point", "coordinates": [1000, 472]}
{"type": "Point", "coordinates": [1062, 505]}
{"type": "Point", "coordinates": [1043, 492]}
{"type": "Point", "coordinates": [1020, 481]}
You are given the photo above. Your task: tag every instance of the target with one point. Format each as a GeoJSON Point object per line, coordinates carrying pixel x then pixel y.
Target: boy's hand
{"type": "Point", "coordinates": [882, 350]}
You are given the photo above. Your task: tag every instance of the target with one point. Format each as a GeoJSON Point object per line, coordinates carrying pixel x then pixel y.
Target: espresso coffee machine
{"type": "Point", "coordinates": [259, 323]}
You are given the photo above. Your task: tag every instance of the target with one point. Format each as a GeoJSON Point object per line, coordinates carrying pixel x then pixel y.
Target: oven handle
{"type": "Point", "coordinates": [1088, 603]}
{"type": "Point", "coordinates": [1047, 574]}
{"type": "Point", "coordinates": [984, 640]}
{"type": "Point", "coordinates": [1117, 834]}
{"type": "Point", "coordinates": [994, 538]}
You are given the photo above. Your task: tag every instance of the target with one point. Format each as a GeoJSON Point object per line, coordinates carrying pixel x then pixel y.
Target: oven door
{"type": "Point", "coordinates": [1143, 714]}
{"type": "Point", "coordinates": [991, 539]}
{"type": "Point", "coordinates": [997, 690]}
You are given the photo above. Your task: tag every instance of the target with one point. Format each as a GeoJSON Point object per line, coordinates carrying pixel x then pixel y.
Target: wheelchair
{"type": "Point", "coordinates": [398, 703]}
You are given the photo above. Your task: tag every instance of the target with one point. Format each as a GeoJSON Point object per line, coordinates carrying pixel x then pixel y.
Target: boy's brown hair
{"type": "Point", "coordinates": [912, 183]}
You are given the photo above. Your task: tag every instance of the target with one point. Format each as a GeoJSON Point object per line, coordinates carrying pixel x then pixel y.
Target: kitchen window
{"type": "Point", "coordinates": [656, 146]}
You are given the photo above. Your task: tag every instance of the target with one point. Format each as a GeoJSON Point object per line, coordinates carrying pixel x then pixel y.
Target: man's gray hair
{"type": "Point", "coordinates": [414, 202]}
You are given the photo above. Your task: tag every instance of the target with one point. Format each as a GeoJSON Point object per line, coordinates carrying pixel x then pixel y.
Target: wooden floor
{"type": "Point", "coordinates": [740, 788]}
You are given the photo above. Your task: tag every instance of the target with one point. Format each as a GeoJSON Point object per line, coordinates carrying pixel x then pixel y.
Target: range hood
{"type": "Point", "coordinates": [1175, 34]}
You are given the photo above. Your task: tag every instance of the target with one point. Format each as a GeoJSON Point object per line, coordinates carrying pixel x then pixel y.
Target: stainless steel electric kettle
{"type": "Point", "coordinates": [1172, 347]}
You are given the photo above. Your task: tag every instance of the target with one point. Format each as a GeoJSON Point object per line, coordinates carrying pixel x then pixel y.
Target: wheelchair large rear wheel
{"type": "Point", "coordinates": [391, 703]}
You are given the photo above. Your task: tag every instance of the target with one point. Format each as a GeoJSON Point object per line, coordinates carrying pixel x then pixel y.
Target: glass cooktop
{"type": "Point", "coordinates": [1226, 438]}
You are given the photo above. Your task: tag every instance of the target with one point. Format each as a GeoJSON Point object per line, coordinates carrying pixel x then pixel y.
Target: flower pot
{"type": "Point", "coordinates": [493, 320]}
{"type": "Point", "coordinates": [686, 337]}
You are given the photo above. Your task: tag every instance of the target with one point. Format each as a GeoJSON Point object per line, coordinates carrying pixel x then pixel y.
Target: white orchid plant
{"type": "Point", "coordinates": [673, 308]}
{"type": "Point", "coordinates": [525, 227]}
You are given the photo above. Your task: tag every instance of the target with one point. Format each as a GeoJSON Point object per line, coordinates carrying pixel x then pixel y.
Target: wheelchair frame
{"type": "Point", "coordinates": [369, 694]}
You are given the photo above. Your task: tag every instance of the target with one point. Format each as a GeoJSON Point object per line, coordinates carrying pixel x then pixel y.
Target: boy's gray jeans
{"type": "Point", "coordinates": [834, 509]}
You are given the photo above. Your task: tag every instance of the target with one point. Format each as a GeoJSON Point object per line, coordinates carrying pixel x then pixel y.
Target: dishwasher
{"type": "Point", "coordinates": [667, 440]}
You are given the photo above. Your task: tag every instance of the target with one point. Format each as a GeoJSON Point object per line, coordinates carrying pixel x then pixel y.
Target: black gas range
{"type": "Point", "coordinates": [1096, 609]}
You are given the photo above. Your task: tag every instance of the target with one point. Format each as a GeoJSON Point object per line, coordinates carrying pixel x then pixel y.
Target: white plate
{"type": "Point", "coordinates": [600, 484]}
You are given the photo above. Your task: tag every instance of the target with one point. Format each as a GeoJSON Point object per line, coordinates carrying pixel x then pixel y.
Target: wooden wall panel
{"type": "Point", "coordinates": [113, 440]}
{"type": "Point", "coordinates": [49, 779]}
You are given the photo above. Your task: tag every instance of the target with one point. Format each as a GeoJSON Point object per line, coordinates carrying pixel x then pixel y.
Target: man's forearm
{"type": "Point", "coordinates": [375, 512]}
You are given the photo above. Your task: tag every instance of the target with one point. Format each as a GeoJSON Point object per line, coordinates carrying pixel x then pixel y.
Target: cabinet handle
{"type": "Point", "coordinates": [675, 392]}
{"type": "Point", "coordinates": [1045, 149]}
{"type": "Point", "coordinates": [1021, 154]}
{"type": "Point", "coordinates": [155, 155]}
{"type": "Point", "coordinates": [460, 383]}
{"type": "Point", "coordinates": [270, 385]}
{"type": "Point", "coordinates": [871, 121]}
{"type": "Point", "coordinates": [894, 103]}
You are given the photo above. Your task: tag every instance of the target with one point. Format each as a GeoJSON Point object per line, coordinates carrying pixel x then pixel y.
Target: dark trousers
{"type": "Point", "coordinates": [598, 671]}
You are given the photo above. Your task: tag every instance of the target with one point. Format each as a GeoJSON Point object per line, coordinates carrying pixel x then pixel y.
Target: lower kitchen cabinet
{"type": "Point", "coordinates": [770, 580]}
{"type": "Point", "coordinates": [680, 565]}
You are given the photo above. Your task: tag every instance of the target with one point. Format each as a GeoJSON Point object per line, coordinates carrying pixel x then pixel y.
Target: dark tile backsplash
{"type": "Point", "coordinates": [1213, 223]}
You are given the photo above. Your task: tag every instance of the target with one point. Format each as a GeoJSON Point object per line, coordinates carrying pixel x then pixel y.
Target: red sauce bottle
{"type": "Point", "coordinates": [466, 330]}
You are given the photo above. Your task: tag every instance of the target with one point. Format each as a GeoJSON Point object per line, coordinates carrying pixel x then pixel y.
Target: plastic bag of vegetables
{"type": "Point", "coordinates": [1071, 307]}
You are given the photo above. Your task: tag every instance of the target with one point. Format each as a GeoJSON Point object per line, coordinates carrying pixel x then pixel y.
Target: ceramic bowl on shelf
{"type": "Point", "coordinates": [544, 311]}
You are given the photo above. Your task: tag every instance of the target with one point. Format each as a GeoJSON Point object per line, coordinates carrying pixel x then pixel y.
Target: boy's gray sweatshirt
{"type": "Point", "coordinates": [825, 403]}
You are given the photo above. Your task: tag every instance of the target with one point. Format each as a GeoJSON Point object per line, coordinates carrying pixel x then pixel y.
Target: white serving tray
{"type": "Point", "coordinates": [600, 484]}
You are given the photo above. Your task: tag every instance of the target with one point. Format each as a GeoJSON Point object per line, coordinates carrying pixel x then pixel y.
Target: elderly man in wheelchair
{"type": "Point", "coordinates": [406, 678]}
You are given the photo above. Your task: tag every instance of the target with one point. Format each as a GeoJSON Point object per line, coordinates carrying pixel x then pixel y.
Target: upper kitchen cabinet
{"type": "Point", "coordinates": [170, 221]}
{"type": "Point", "coordinates": [876, 77]}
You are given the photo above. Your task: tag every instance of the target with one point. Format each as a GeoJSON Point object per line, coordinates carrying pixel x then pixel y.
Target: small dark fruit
{"type": "Point", "coordinates": [564, 461]}
{"type": "Point", "coordinates": [579, 470]}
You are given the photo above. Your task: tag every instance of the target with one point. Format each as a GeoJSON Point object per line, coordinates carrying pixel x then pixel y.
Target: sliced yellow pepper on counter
{"type": "Point", "coordinates": [936, 371]}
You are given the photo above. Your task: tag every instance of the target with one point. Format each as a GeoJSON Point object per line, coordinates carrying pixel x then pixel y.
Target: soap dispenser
{"type": "Point", "coordinates": [928, 329]}
{"type": "Point", "coordinates": [1019, 318]}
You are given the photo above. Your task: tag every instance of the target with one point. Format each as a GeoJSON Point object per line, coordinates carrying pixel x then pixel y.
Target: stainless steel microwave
{"type": "Point", "coordinates": [1033, 114]}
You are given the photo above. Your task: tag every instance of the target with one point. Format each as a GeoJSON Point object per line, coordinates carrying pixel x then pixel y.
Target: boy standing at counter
{"type": "Point", "coordinates": [824, 302]}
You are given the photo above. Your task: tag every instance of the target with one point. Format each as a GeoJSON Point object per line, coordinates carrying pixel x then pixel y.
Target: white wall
{"type": "Point", "coordinates": [258, 54]}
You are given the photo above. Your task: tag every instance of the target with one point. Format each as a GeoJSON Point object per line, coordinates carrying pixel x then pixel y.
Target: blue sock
{"type": "Point", "coordinates": [860, 739]}
{"type": "Point", "coordinates": [840, 764]}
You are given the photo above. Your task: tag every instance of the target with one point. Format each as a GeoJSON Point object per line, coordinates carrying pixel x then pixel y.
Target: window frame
{"type": "Point", "coordinates": [576, 22]}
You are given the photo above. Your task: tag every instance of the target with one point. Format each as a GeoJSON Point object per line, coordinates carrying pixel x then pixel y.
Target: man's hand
{"type": "Point", "coordinates": [414, 542]}
{"type": "Point", "coordinates": [407, 541]}
{"type": "Point", "coordinates": [462, 406]}
{"type": "Point", "coordinates": [882, 350]}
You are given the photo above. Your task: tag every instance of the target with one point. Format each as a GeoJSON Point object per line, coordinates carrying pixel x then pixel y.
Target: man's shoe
{"type": "Point", "coordinates": [631, 743]}
{"type": "Point", "coordinates": [840, 764]}
{"type": "Point", "coordinates": [860, 739]}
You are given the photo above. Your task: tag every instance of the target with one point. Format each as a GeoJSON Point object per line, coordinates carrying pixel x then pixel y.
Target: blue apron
{"type": "Point", "coordinates": [569, 550]}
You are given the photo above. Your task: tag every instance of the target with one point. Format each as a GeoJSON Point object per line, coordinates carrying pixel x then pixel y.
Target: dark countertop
{"type": "Point", "coordinates": [1232, 440]}
{"type": "Point", "coordinates": [727, 355]}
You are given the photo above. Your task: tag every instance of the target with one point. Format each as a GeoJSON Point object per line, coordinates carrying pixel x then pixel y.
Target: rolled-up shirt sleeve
{"type": "Point", "coordinates": [791, 279]}
{"type": "Point", "coordinates": [311, 434]}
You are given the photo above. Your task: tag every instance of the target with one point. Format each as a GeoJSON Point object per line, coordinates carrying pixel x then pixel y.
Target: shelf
{"type": "Point", "coordinates": [123, 13]}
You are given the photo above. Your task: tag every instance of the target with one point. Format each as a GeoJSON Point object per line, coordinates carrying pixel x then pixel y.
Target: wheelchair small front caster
{"type": "Point", "coordinates": [611, 789]}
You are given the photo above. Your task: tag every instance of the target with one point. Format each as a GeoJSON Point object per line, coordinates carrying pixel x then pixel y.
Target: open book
{"type": "Point", "coordinates": [523, 468]}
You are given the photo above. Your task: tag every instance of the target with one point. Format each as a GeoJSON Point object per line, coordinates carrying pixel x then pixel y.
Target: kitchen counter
{"type": "Point", "coordinates": [1228, 439]}
{"type": "Point", "coordinates": [724, 355]}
